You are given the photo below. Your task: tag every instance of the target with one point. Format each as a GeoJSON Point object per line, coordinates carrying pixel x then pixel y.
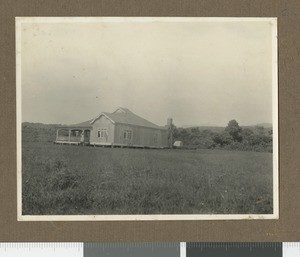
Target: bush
{"type": "Point", "coordinates": [222, 139]}
{"type": "Point", "coordinates": [233, 137]}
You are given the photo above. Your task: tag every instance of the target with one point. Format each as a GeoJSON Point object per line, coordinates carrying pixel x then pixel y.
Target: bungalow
{"type": "Point", "coordinates": [120, 128]}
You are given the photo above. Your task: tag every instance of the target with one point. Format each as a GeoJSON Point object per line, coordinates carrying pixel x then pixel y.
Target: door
{"type": "Point", "coordinates": [87, 134]}
{"type": "Point", "coordinates": [127, 137]}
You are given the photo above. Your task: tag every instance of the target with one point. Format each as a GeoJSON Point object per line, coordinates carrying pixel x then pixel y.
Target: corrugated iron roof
{"type": "Point", "coordinates": [122, 116]}
{"type": "Point", "coordinates": [85, 124]}
{"type": "Point", "coordinates": [125, 116]}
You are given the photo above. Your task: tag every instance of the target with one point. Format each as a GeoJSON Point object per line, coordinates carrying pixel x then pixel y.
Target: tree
{"type": "Point", "coordinates": [270, 132]}
{"type": "Point", "coordinates": [259, 130]}
{"type": "Point", "coordinates": [195, 131]}
{"type": "Point", "coordinates": [234, 130]}
{"type": "Point", "coordinates": [182, 135]}
{"type": "Point", "coordinates": [222, 138]}
{"type": "Point", "coordinates": [246, 134]}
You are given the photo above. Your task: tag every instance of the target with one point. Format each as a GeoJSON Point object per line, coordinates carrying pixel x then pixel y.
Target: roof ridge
{"type": "Point", "coordinates": [125, 110]}
{"type": "Point", "coordinates": [125, 116]}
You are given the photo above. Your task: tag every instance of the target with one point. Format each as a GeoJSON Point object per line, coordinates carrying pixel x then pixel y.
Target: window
{"type": "Point", "coordinates": [128, 134]}
{"type": "Point", "coordinates": [102, 133]}
{"type": "Point", "coordinates": [155, 138]}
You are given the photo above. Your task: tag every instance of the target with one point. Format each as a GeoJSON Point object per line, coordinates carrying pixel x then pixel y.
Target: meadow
{"type": "Point", "coordinates": [61, 179]}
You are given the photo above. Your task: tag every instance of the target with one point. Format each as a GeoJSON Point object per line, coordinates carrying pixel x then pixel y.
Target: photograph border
{"type": "Point", "coordinates": [275, 215]}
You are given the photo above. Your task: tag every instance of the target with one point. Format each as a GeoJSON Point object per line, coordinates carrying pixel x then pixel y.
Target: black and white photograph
{"type": "Point", "coordinates": [146, 118]}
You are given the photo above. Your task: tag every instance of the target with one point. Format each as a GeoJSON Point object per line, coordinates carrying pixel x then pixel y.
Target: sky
{"type": "Point", "coordinates": [196, 72]}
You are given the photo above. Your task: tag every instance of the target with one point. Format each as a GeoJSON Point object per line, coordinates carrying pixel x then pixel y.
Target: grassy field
{"type": "Point", "coordinates": [92, 180]}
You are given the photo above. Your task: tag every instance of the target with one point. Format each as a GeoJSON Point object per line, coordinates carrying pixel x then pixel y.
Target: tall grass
{"type": "Point", "coordinates": [87, 180]}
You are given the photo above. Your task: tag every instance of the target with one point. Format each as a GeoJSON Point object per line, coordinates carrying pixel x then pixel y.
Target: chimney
{"type": "Point", "coordinates": [170, 132]}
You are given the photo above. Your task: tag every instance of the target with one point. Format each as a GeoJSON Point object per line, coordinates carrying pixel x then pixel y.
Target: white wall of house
{"type": "Point", "coordinates": [106, 132]}
{"type": "Point", "coordinates": [131, 135]}
{"type": "Point", "coordinates": [103, 131]}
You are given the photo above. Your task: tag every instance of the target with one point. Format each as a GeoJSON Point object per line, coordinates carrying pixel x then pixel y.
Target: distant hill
{"type": "Point", "coordinates": [217, 129]}
{"type": "Point", "coordinates": [38, 132]}
{"type": "Point", "coordinates": [220, 128]}
{"type": "Point", "coordinates": [202, 128]}
{"type": "Point", "coordinates": [265, 125]}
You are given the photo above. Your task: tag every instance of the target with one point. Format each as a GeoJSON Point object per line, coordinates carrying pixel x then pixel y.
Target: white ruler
{"type": "Point", "coordinates": [41, 249]}
{"type": "Point", "coordinates": [289, 249]}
